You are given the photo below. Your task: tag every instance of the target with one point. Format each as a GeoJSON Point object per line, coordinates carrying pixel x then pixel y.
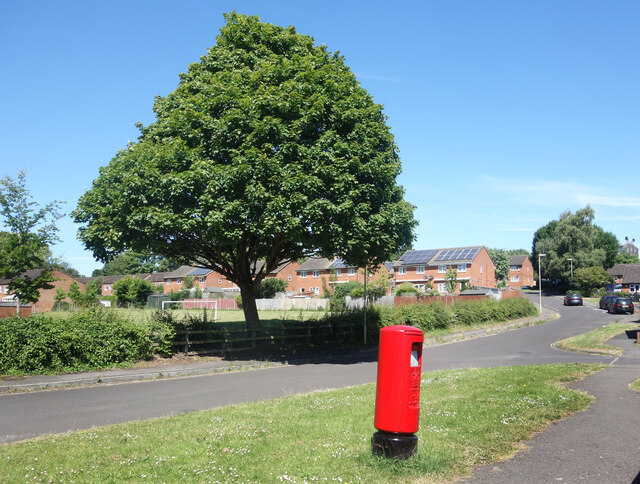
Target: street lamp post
{"type": "Point", "coordinates": [571, 260]}
{"type": "Point", "coordinates": [540, 282]}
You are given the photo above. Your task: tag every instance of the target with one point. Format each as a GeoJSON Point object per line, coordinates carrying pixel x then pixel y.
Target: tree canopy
{"type": "Point", "coordinates": [25, 244]}
{"type": "Point", "coordinates": [132, 262]}
{"type": "Point", "coordinates": [269, 149]}
{"type": "Point", "coordinates": [573, 236]}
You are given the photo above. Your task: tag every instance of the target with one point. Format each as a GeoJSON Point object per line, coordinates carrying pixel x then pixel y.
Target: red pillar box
{"type": "Point", "coordinates": [397, 410]}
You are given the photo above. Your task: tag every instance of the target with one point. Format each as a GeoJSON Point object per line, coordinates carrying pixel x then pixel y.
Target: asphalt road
{"type": "Point", "coordinates": [26, 415]}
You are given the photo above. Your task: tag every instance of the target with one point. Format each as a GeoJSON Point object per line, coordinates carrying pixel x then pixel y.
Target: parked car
{"type": "Point", "coordinates": [621, 305]}
{"type": "Point", "coordinates": [573, 299]}
{"type": "Point", "coordinates": [604, 301]}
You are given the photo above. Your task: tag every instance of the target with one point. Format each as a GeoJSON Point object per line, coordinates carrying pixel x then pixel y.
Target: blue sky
{"type": "Point", "coordinates": [506, 113]}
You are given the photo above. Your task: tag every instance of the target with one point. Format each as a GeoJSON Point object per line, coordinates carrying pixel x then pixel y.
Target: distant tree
{"type": "Point", "coordinates": [269, 287]}
{"type": "Point", "coordinates": [572, 236]}
{"type": "Point", "coordinates": [131, 290]}
{"type": "Point", "coordinates": [92, 292]}
{"type": "Point", "coordinates": [626, 258]}
{"type": "Point", "coordinates": [517, 252]}
{"type": "Point", "coordinates": [56, 264]}
{"type": "Point", "coordinates": [60, 296]}
{"type": "Point", "coordinates": [269, 149]}
{"type": "Point", "coordinates": [501, 261]}
{"type": "Point", "coordinates": [132, 262]}
{"type": "Point", "coordinates": [188, 282]}
{"type": "Point", "coordinates": [24, 245]}
{"type": "Point", "coordinates": [75, 294]}
{"type": "Point", "coordinates": [451, 280]}
{"type": "Point", "coordinates": [589, 279]}
{"type": "Point", "coordinates": [609, 243]}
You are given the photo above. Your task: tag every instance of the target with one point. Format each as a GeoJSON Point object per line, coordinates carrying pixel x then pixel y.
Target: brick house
{"type": "Point", "coordinates": [202, 277]}
{"type": "Point", "coordinates": [317, 273]}
{"type": "Point", "coordinates": [628, 275]}
{"type": "Point", "coordinates": [520, 271]}
{"type": "Point", "coordinates": [473, 265]}
{"type": "Point", "coordinates": [47, 296]}
{"type": "Point", "coordinates": [285, 271]}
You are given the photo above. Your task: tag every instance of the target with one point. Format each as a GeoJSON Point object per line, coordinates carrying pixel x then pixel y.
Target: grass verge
{"type": "Point", "coordinates": [468, 418]}
{"type": "Point", "coordinates": [593, 341]}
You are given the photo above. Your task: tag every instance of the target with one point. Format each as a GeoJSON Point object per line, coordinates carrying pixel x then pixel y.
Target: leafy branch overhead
{"type": "Point", "coordinates": [269, 149]}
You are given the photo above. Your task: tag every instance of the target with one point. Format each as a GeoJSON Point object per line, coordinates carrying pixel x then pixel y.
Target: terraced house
{"type": "Point", "coordinates": [473, 265]}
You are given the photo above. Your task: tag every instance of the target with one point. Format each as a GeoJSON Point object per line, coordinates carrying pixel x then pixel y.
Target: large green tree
{"type": "Point", "coordinates": [573, 236]}
{"type": "Point", "coordinates": [24, 245]}
{"type": "Point", "coordinates": [269, 149]}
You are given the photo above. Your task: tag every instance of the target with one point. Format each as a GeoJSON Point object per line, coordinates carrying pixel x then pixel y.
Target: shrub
{"type": "Point", "coordinates": [406, 289]}
{"type": "Point", "coordinates": [469, 313]}
{"type": "Point", "coordinates": [427, 317]}
{"type": "Point", "coordinates": [89, 339]}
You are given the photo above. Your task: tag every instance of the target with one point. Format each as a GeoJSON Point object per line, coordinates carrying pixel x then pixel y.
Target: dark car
{"type": "Point", "coordinates": [573, 299]}
{"type": "Point", "coordinates": [604, 301]}
{"type": "Point", "coordinates": [621, 305]}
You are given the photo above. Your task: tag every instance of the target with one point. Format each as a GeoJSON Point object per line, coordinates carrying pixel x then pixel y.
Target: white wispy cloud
{"type": "Point", "coordinates": [571, 194]}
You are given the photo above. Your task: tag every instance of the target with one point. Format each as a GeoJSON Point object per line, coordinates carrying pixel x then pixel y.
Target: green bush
{"type": "Point", "coordinates": [406, 289]}
{"type": "Point", "coordinates": [88, 339]}
{"type": "Point", "coordinates": [427, 317]}
{"type": "Point", "coordinates": [469, 313]}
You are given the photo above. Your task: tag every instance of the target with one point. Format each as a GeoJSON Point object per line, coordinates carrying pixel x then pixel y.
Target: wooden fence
{"type": "Point", "coordinates": [218, 339]}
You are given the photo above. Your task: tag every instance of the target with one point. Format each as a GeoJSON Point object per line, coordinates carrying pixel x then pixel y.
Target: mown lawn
{"type": "Point", "coordinates": [468, 418]}
{"type": "Point", "coordinates": [594, 341]}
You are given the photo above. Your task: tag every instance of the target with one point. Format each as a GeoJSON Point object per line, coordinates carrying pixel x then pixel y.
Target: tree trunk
{"type": "Point", "coordinates": [249, 307]}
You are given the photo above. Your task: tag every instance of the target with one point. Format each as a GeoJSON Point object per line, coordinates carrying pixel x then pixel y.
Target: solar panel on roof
{"type": "Point", "coordinates": [418, 257]}
{"type": "Point", "coordinates": [199, 271]}
{"type": "Point", "coordinates": [457, 254]}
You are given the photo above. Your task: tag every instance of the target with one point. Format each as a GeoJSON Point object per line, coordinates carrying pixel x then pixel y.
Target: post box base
{"type": "Point", "coordinates": [398, 446]}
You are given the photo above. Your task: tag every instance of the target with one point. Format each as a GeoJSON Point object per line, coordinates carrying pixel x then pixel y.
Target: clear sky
{"type": "Point", "coordinates": [506, 113]}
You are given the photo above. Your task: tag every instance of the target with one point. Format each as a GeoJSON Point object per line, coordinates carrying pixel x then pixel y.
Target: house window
{"type": "Point", "coordinates": [219, 280]}
{"type": "Point", "coordinates": [302, 289]}
{"type": "Point", "coordinates": [420, 270]}
{"type": "Point", "coordinates": [402, 271]}
{"type": "Point", "coordinates": [419, 287]}
{"type": "Point", "coordinates": [290, 277]}
{"type": "Point", "coordinates": [481, 269]}
{"type": "Point", "coordinates": [442, 269]}
{"type": "Point", "coordinates": [168, 281]}
{"type": "Point", "coordinates": [179, 280]}
{"type": "Point", "coordinates": [515, 278]}
{"type": "Point", "coordinates": [442, 287]}
{"type": "Point", "coordinates": [303, 274]}
{"type": "Point", "coordinates": [514, 268]}
{"type": "Point", "coordinates": [316, 290]}
{"type": "Point", "coordinates": [338, 272]}
{"type": "Point", "coordinates": [351, 272]}
{"type": "Point", "coordinates": [462, 267]}
{"type": "Point", "coordinates": [316, 273]}
{"type": "Point", "coordinates": [201, 280]}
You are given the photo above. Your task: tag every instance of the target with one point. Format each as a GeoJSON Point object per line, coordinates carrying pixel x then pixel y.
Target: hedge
{"type": "Point", "coordinates": [89, 339]}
